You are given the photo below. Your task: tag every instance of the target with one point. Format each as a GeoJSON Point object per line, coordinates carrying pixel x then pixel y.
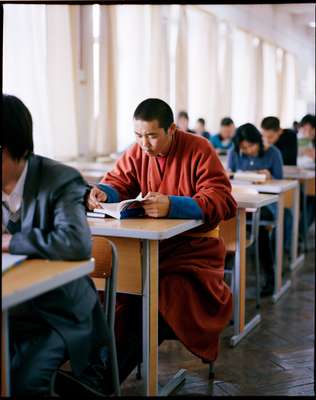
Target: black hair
{"type": "Point", "coordinates": [226, 121]}
{"type": "Point", "coordinates": [17, 128]}
{"type": "Point", "coordinates": [183, 114]}
{"type": "Point", "coordinates": [308, 119]}
{"type": "Point", "coordinates": [249, 133]}
{"type": "Point", "coordinates": [201, 121]}
{"type": "Point", "coordinates": [155, 109]}
{"type": "Point", "coordinates": [270, 124]}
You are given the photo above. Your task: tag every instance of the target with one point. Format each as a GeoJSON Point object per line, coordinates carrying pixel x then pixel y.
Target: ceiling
{"type": "Point", "coordinates": [301, 13]}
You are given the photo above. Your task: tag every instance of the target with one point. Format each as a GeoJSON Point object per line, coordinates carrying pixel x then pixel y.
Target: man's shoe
{"type": "Point", "coordinates": [94, 382]}
{"type": "Point", "coordinates": [267, 290]}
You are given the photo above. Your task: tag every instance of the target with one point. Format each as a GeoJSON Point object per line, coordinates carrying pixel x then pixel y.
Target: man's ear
{"type": "Point", "coordinates": [172, 129]}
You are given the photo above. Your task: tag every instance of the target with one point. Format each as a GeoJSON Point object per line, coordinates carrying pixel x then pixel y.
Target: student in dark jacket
{"type": "Point", "coordinates": [43, 216]}
{"type": "Point", "coordinates": [284, 139]}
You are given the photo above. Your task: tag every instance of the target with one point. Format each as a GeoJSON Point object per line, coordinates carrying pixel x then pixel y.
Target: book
{"type": "Point", "coordinates": [249, 176]}
{"type": "Point", "coordinates": [130, 208]}
{"type": "Point", "coordinates": [9, 260]}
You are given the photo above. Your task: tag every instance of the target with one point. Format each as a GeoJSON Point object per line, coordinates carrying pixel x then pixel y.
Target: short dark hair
{"type": "Point", "coordinates": [226, 121]}
{"type": "Point", "coordinates": [155, 109]}
{"type": "Point", "coordinates": [270, 123]}
{"type": "Point", "coordinates": [17, 127]}
{"type": "Point", "coordinates": [201, 121]}
{"type": "Point", "coordinates": [308, 119]}
{"type": "Point", "coordinates": [183, 114]}
{"type": "Point", "coordinates": [249, 133]}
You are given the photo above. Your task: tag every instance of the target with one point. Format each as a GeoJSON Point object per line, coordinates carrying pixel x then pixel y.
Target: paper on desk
{"type": "Point", "coordinates": [9, 260]}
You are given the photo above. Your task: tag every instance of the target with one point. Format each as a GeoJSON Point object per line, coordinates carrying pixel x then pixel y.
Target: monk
{"type": "Point", "coordinates": [180, 176]}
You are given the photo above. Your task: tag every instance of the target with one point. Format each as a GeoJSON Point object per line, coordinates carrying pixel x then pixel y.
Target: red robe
{"type": "Point", "coordinates": [194, 300]}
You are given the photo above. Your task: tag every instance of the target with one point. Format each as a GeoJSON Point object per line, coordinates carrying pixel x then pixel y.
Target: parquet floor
{"type": "Point", "coordinates": [276, 358]}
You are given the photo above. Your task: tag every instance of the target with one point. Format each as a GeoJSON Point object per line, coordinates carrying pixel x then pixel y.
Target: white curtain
{"type": "Point", "coordinates": [247, 79]}
{"type": "Point", "coordinates": [202, 67]}
{"type": "Point", "coordinates": [270, 81]}
{"type": "Point", "coordinates": [181, 63]}
{"type": "Point", "coordinates": [225, 50]}
{"type": "Point", "coordinates": [288, 95]}
{"type": "Point", "coordinates": [37, 68]}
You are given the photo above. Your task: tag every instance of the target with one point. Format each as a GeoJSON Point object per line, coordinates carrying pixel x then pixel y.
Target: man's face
{"type": "Point", "coordinates": [248, 148]}
{"type": "Point", "coordinates": [269, 136]}
{"type": "Point", "coordinates": [183, 124]}
{"type": "Point", "coordinates": [227, 131]}
{"type": "Point", "coordinates": [199, 128]}
{"type": "Point", "coordinates": [308, 131]}
{"type": "Point", "coordinates": [151, 138]}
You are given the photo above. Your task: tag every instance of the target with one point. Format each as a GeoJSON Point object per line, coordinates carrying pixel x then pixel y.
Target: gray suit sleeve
{"type": "Point", "coordinates": [69, 238]}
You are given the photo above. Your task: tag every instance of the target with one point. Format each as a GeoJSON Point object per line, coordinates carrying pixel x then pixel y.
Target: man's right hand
{"type": "Point", "coordinates": [95, 197]}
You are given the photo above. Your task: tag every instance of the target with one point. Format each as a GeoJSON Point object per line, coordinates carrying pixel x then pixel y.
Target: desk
{"type": "Point", "coordinates": [29, 279]}
{"type": "Point", "coordinates": [137, 242]}
{"type": "Point", "coordinates": [280, 187]}
{"type": "Point", "coordinates": [244, 201]}
{"type": "Point", "coordinates": [92, 172]}
{"type": "Point", "coordinates": [306, 179]}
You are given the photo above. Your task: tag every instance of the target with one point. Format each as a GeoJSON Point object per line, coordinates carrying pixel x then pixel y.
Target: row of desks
{"type": "Point", "coordinates": [138, 245]}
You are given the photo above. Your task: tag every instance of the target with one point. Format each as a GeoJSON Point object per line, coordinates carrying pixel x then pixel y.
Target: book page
{"type": "Point", "coordinates": [9, 260]}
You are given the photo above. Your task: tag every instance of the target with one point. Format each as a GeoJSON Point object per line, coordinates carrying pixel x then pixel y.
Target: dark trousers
{"type": "Point", "coordinates": [266, 247]}
{"type": "Point", "coordinates": [36, 351]}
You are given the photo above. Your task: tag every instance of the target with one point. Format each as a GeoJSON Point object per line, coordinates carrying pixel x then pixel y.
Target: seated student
{"type": "Point", "coordinates": [183, 122]}
{"type": "Point", "coordinates": [308, 125]}
{"type": "Point", "coordinates": [295, 126]}
{"type": "Point", "coordinates": [43, 216]}
{"type": "Point", "coordinates": [222, 141]}
{"type": "Point", "coordinates": [200, 129]}
{"type": "Point", "coordinates": [180, 177]}
{"type": "Point", "coordinates": [249, 154]}
{"type": "Point", "coordinates": [284, 139]}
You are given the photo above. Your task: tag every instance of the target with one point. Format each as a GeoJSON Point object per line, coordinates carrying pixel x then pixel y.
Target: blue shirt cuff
{"type": "Point", "coordinates": [113, 194]}
{"type": "Point", "coordinates": [184, 207]}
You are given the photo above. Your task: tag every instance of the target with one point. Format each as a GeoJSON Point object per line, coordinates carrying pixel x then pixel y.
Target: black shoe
{"type": "Point", "coordinates": [267, 290]}
{"type": "Point", "coordinates": [94, 382]}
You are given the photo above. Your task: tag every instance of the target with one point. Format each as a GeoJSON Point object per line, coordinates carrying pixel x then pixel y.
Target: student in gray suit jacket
{"type": "Point", "coordinates": [43, 216]}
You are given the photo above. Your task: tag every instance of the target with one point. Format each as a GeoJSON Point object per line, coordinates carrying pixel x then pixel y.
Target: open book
{"type": "Point", "coordinates": [130, 208]}
{"type": "Point", "coordinates": [249, 176]}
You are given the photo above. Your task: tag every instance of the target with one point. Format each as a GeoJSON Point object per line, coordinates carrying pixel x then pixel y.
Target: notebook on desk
{"type": "Point", "coordinates": [9, 260]}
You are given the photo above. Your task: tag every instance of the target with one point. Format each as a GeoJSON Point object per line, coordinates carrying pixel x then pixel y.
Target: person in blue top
{"type": "Point", "coordinates": [249, 154]}
{"type": "Point", "coordinates": [222, 141]}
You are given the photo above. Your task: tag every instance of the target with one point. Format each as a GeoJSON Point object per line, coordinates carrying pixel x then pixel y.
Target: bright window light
{"type": "Point", "coordinates": [312, 24]}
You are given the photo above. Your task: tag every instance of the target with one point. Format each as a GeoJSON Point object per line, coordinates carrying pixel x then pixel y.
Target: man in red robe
{"type": "Point", "coordinates": [180, 176]}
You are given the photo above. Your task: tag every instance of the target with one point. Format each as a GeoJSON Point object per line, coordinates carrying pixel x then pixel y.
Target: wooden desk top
{"type": "Point", "coordinates": [293, 172]}
{"type": "Point", "coordinates": [142, 228]}
{"type": "Point", "coordinates": [274, 186]}
{"type": "Point", "coordinates": [34, 277]}
{"type": "Point", "coordinates": [246, 200]}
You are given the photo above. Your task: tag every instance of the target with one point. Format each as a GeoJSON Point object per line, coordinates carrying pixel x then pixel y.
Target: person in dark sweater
{"type": "Point", "coordinates": [284, 139]}
{"type": "Point", "coordinates": [183, 122]}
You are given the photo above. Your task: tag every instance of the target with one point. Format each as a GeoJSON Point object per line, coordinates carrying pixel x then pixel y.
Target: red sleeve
{"type": "Point", "coordinates": [124, 176]}
{"type": "Point", "coordinates": [213, 188]}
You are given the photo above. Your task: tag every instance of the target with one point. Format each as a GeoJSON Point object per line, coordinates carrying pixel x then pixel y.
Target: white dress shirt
{"type": "Point", "coordinates": [11, 203]}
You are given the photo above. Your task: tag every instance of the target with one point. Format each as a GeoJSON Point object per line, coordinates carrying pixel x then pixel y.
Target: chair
{"type": "Point", "coordinates": [105, 278]}
{"type": "Point", "coordinates": [230, 239]}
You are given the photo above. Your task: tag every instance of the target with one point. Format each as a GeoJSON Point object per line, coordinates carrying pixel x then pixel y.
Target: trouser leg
{"type": "Point", "coordinates": [37, 351]}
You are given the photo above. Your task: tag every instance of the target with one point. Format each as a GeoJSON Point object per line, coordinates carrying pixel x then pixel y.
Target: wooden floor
{"type": "Point", "coordinates": [277, 358]}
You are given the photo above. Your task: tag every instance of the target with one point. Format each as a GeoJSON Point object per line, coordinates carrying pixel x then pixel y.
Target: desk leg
{"type": "Point", "coordinates": [279, 290]}
{"type": "Point", "coordinates": [239, 295]}
{"type": "Point", "coordinates": [295, 260]}
{"type": "Point", "coordinates": [150, 316]}
{"type": "Point", "coordinates": [5, 356]}
{"type": "Point", "coordinates": [304, 209]}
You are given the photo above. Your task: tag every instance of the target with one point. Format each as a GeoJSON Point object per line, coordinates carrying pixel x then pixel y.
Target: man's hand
{"type": "Point", "coordinates": [95, 197]}
{"type": "Point", "coordinates": [6, 239]}
{"type": "Point", "coordinates": [156, 205]}
{"type": "Point", "coordinates": [266, 172]}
